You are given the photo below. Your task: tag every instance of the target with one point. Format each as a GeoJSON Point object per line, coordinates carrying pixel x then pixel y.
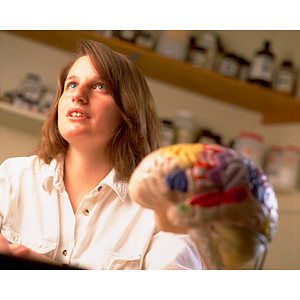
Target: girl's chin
{"type": "Point", "coordinates": [76, 136]}
{"type": "Point", "coordinates": [73, 131]}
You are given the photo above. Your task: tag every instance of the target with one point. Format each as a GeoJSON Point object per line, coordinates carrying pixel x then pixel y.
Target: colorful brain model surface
{"type": "Point", "coordinates": [220, 198]}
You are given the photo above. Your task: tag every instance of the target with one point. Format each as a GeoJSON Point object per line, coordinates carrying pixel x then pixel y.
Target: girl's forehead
{"type": "Point", "coordinates": [81, 65]}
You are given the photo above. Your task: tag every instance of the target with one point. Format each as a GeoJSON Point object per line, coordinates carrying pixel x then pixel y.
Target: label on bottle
{"type": "Point", "coordinates": [229, 67]}
{"type": "Point", "coordinates": [261, 68]}
{"type": "Point", "coordinates": [198, 58]}
{"type": "Point", "coordinates": [284, 81]}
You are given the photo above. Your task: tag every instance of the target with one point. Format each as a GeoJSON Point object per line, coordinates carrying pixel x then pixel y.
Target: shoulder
{"type": "Point", "coordinates": [17, 164]}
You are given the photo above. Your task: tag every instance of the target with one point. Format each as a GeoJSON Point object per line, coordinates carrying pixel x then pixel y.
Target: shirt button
{"type": "Point", "coordinates": [86, 212]}
{"type": "Point", "coordinates": [65, 253]}
{"type": "Point", "coordinates": [99, 188]}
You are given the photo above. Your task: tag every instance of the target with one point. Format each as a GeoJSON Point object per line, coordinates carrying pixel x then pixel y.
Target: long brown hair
{"type": "Point", "coordinates": [139, 132]}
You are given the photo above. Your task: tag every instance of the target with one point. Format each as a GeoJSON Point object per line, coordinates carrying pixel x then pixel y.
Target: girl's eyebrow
{"type": "Point", "coordinates": [72, 77]}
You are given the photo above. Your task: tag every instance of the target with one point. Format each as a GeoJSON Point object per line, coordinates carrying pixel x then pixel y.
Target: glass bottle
{"type": "Point", "coordinates": [196, 55]}
{"type": "Point", "coordinates": [173, 44]}
{"type": "Point", "coordinates": [230, 65]}
{"type": "Point", "coordinates": [250, 144]}
{"type": "Point", "coordinates": [244, 69]}
{"type": "Point", "coordinates": [206, 136]}
{"type": "Point", "coordinates": [146, 39]}
{"type": "Point", "coordinates": [210, 42]}
{"type": "Point", "coordinates": [285, 78]}
{"type": "Point", "coordinates": [185, 127]}
{"type": "Point", "coordinates": [128, 35]}
{"type": "Point", "coordinates": [168, 132]}
{"type": "Point", "coordinates": [261, 67]}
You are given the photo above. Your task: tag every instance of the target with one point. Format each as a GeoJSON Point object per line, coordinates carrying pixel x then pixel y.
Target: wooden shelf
{"type": "Point", "coordinates": [21, 118]}
{"type": "Point", "coordinates": [276, 107]}
{"type": "Point", "coordinates": [22, 112]}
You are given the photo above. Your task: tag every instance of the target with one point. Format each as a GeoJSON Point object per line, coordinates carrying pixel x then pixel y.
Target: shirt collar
{"type": "Point", "coordinates": [120, 187]}
{"type": "Point", "coordinates": [53, 176]}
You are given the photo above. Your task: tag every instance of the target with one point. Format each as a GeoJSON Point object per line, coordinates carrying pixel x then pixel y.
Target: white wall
{"type": "Point", "coordinates": [18, 56]}
{"type": "Point", "coordinates": [223, 118]}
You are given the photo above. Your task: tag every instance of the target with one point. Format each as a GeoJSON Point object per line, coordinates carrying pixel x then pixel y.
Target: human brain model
{"type": "Point", "coordinates": [220, 198]}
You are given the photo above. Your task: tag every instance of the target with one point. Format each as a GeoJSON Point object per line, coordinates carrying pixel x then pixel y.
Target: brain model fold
{"type": "Point", "coordinates": [190, 186]}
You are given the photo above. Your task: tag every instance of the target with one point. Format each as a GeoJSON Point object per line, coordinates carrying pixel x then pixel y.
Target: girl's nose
{"type": "Point", "coordinates": [80, 94]}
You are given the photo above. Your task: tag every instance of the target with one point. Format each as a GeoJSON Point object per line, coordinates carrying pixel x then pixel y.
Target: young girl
{"type": "Point", "coordinates": [68, 204]}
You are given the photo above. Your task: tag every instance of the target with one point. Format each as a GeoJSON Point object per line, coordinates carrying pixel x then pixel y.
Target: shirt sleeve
{"type": "Point", "coordinates": [168, 251]}
{"type": "Point", "coordinates": [4, 192]}
{"type": "Point", "coordinates": [2, 199]}
{"type": "Point", "coordinates": [1, 203]}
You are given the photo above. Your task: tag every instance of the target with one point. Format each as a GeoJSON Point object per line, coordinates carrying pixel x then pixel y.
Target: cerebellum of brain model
{"type": "Point", "coordinates": [218, 197]}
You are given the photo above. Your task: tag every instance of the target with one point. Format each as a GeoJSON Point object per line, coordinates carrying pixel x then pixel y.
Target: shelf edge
{"type": "Point", "coordinates": [20, 112]}
{"type": "Point", "coordinates": [282, 116]}
{"type": "Point", "coordinates": [276, 107]}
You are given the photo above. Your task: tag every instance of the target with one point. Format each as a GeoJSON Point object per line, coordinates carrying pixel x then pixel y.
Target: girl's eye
{"type": "Point", "coordinates": [101, 86]}
{"type": "Point", "coordinates": [71, 85]}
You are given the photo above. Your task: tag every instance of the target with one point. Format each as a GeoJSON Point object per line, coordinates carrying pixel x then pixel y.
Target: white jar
{"type": "Point", "coordinates": [273, 164]}
{"type": "Point", "coordinates": [289, 169]}
{"type": "Point", "coordinates": [250, 145]}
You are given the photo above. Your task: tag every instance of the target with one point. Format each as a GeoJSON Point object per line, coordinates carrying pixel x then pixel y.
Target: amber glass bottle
{"type": "Point", "coordinates": [285, 78]}
{"type": "Point", "coordinates": [261, 67]}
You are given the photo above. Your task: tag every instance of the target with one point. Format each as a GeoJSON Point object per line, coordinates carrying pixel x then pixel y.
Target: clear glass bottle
{"type": "Point", "coordinates": [185, 127]}
{"type": "Point", "coordinates": [173, 44]}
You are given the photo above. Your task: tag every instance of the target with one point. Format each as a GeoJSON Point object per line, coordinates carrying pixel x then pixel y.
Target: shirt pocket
{"type": "Point", "coordinates": [109, 260]}
{"type": "Point", "coordinates": [39, 245]}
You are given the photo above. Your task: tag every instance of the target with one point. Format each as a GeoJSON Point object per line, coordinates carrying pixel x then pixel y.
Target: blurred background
{"type": "Point", "coordinates": [209, 86]}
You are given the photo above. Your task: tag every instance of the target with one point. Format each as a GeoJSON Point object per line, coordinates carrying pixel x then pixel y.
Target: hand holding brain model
{"type": "Point", "coordinates": [218, 197]}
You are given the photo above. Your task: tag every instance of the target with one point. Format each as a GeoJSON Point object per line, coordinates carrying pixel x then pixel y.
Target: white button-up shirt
{"type": "Point", "coordinates": [108, 231]}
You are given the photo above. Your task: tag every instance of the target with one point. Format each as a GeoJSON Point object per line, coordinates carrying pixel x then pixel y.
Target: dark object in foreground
{"type": "Point", "coordinates": [15, 263]}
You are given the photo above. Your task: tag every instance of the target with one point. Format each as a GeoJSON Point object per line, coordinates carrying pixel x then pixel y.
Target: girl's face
{"type": "Point", "coordinates": [87, 114]}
